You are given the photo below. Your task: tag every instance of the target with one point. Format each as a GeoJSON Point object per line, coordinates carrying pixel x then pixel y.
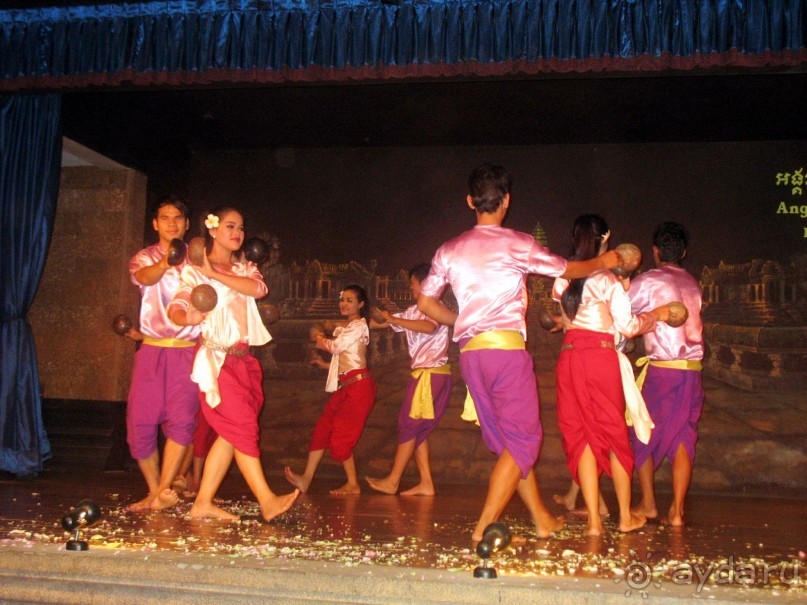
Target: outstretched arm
{"type": "Point", "coordinates": [428, 305]}
{"type": "Point", "coordinates": [583, 268]}
{"type": "Point", "coordinates": [422, 326]}
{"type": "Point", "coordinates": [151, 274]}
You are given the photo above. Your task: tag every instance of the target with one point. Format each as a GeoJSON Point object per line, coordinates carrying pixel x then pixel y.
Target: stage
{"type": "Point", "coordinates": [375, 548]}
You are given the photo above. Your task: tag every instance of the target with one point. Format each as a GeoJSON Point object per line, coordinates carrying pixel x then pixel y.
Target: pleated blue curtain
{"type": "Point", "coordinates": [190, 41]}
{"type": "Point", "coordinates": [30, 161]}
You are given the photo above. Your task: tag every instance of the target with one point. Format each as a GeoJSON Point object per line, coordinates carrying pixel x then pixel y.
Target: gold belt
{"type": "Point", "coordinates": [604, 344]}
{"type": "Point", "coordinates": [238, 350]}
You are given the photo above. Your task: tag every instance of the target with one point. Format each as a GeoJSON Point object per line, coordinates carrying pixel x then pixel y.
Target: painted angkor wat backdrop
{"type": "Point", "coordinates": [344, 214]}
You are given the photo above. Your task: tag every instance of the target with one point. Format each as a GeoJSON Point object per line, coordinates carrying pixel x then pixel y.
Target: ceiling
{"type": "Point", "coordinates": [138, 127]}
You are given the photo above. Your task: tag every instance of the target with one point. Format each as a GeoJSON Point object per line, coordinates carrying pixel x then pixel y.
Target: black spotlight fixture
{"type": "Point", "coordinates": [83, 515]}
{"type": "Point", "coordinates": [495, 537]}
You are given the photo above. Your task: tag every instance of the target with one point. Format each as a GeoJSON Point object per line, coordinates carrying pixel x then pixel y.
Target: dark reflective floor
{"type": "Point", "coordinates": [755, 543]}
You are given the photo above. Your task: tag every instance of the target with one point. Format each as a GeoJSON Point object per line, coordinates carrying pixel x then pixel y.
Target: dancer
{"type": "Point", "coordinates": [569, 500]}
{"type": "Point", "coordinates": [161, 394]}
{"type": "Point", "coordinates": [353, 398]}
{"type": "Point", "coordinates": [487, 267]}
{"type": "Point", "coordinates": [672, 387]}
{"type": "Point", "coordinates": [591, 400]}
{"type": "Point", "coordinates": [229, 377]}
{"type": "Point", "coordinates": [429, 388]}
{"type": "Point", "coordinates": [189, 477]}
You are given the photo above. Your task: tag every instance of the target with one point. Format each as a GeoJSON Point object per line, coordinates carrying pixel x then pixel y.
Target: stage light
{"type": "Point", "coordinates": [496, 537]}
{"type": "Point", "coordinates": [83, 515]}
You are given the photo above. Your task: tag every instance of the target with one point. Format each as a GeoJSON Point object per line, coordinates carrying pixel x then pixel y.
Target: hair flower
{"type": "Point", "coordinates": [212, 221]}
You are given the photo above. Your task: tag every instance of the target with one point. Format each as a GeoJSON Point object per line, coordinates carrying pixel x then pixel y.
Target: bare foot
{"type": "Point", "coordinates": [297, 480]}
{"type": "Point", "coordinates": [211, 511]}
{"type": "Point", "coordinates": [179, 483]}
{"type": "Point", "coordinates": [278, 505]}
{"type": "Point", "coordinates": [421, 489]}
{"type": "Point", "coordinates": [385, 486]}
{"type": "Point", "coordinates": [348, 489]}
{"type": "Point", "coordinates": [549, 525]}
{"type": "Point", "coordinates": [564, 500]}
{"type": "Point", "coordinates": [674, 517]}
{"type": "Point", "coordinates": [634, 523]}
{"type": "Point", "coordinates": [143, 505]}
{"type": "Point", "coordinates": [594, 529]}
{"type": "Point", "coordinates": [164, 499]}
{"type": "Point", "coordinates": [648, 512]}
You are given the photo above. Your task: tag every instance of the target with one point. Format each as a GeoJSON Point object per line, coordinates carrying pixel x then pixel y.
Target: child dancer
{"type": "Point", "coordinates": [591, 401]}
{"type": "Point", "coordinates": [229, 377]}
{"type": "Point", "coordinates": [353, 398]}
{"type": "Point", "coordinates": [431, 382]}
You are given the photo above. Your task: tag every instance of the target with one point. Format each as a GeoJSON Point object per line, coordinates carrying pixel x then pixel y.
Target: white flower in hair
{"type": "Point", "coordinates": [212, 221]}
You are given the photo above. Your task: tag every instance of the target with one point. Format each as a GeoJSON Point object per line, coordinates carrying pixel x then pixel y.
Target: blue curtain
{"type": "Point", "coordinates": [202, 41]}
{"type": "Point", "coordinates": [30, 161]}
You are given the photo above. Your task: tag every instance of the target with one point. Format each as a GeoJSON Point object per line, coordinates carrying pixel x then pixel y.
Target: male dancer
{"type": "Point", "coordinates": [672, 386]}
{"type": "Point", "coordinates": [487, 268]}
{"type": "Point", "coordinates": [162, 394]}
{"type": "Point", "coordinates": [427, 393]}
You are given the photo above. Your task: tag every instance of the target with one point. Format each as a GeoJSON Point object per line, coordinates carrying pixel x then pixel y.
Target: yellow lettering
{"type": "Point", "coordinates": [782, 209]}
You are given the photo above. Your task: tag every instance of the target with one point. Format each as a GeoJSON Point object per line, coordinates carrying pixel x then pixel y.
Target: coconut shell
{"type": "Point", "coordinates": [255, 250]}
{"type": "Point", "coordinates": [176, 252]}
{"type": "Point", "coordinates": [204, 297]}
{"type": "Point", "coordinates": [270, 314]}
{"type": "Point", "coordinates": [545, 319]}
{"type": "Point", "coordinates": [630, 257]}
{"type": "Point", "coordinates": [196, 251]}
{"type": "Point", "coordinates": [121, 324]}
{"type": "Point", "coordinates": [678, 314]}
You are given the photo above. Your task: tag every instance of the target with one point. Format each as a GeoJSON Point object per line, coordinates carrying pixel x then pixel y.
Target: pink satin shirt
{"type": "Point", "coordinates": [487, 267]}
{"type": "Point", "coordinates": [154, 300]}
{"type": "Point", "coordinates": [660, 286]}
{"type": "Point", "coordinates": [426, 350]}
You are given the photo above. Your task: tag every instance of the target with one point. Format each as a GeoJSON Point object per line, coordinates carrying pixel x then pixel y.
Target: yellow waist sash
{"type": "Point", "coordinates": [422, 399]}
{"type": "Point", "coordinates": [504, 340]}
{"type": "Point", "coordinates": [678, 364]}
{"type": "Point", "coordinates": [172, 343]}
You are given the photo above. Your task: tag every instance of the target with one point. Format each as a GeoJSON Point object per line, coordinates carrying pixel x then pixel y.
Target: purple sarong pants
{"type": "Point", "coordinates": [505, 392]}
{"type": "Point", "coordinates": [674, 399]}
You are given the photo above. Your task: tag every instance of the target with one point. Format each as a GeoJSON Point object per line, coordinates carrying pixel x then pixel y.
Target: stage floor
{"type": "Point", "coordinates": [753, 547]}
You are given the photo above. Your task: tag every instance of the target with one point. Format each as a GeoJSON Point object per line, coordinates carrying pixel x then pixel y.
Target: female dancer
{"type": "Point", "coordinates": [591, 402]}
{"type": "Point", "coordinates": [353, 388]}
{"type": "Point", "coordinates": [229, 377]}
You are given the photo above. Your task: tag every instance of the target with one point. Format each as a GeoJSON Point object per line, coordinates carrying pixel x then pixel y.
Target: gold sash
{"type": "Point", "coordinates": [505, 340]}
{"type": "Point", "coordinates": [171, 343]}
{"type": "Point", "coordinates": [422, 399]}
{"type": "Point", "coordinates": [678, 364]}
